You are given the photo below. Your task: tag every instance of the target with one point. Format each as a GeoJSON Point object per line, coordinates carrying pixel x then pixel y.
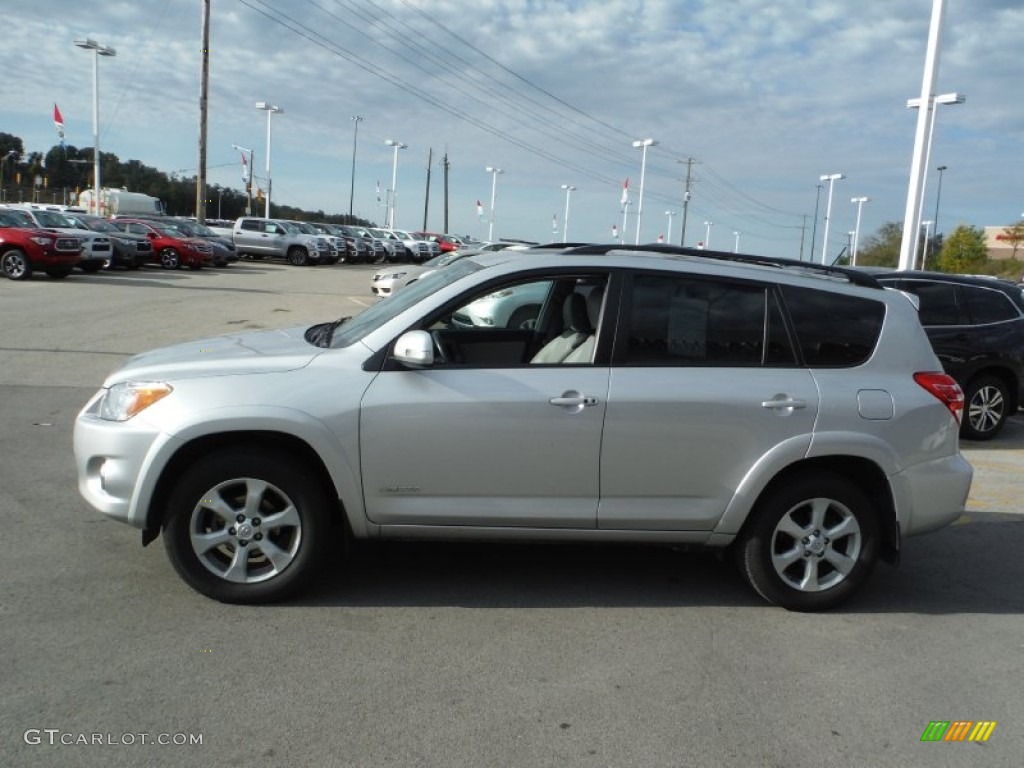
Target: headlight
{"type": "Point", "coordinates": [395, 276]}
{"type": "Point", "coordinates": [124, 400]}
{"type": "Point", "coordinates": [41, 240]}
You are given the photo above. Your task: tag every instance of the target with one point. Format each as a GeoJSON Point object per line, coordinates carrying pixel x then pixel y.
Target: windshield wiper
{"type": "Point", "coordinates": [320, 335]}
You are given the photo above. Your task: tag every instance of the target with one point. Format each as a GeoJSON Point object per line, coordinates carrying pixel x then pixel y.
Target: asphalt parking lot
{"type": "Point", "coordinates": [454, 655]}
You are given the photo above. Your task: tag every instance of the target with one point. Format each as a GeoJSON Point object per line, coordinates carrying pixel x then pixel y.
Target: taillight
{"type": "Point", "coordinates": [945, 388]}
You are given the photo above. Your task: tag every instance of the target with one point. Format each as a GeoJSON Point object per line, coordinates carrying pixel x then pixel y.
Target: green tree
{"type": "Point", "coordinates": [1014, 235]}
{"type": "Point", "coordinates": [882, 249]}
{"type": "Point", "coordinates": [964, 250]}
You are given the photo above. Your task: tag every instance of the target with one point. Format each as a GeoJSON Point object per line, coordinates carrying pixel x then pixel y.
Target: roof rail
{"type": "Point", "coordinates": [849, 274]}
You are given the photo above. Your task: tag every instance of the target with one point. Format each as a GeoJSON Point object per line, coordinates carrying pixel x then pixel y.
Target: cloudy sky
{"type": "Point", "coordinates": [765, 97]}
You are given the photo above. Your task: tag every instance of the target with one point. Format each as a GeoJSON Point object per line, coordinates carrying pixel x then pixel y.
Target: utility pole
{"type": "Point", "coordinates": [426, 197]}
{"type": "Point", "coordinates": [446, 165]}
{"type": "Point", "coordinates": [204, 81]}
{"type": "Point", "coordinates": [686, 198]}
{"type": "Point", "coordinates": [803, 231]}
{"type": "Point", "coordinates": [814, 229]}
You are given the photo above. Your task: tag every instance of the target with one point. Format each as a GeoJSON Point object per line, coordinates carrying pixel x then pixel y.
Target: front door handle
{"type": "Point", "coordinates": [573, 401]}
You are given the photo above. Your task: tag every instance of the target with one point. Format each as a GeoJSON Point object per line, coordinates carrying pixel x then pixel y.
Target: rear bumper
{"type": "Point", "coordinates": [935, 494]}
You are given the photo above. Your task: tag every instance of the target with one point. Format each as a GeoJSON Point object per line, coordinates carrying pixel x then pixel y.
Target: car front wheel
{"type": "Point", "coordinates": [247, 526]}
{"type": "Point", "coordinates": [15, 265]}
{"type": "Point", "coordinates": [812, 543]}
{"type": "Point", "coordinates": [169, 259]}
{"type": "Point", "coordinates": [986, 408]}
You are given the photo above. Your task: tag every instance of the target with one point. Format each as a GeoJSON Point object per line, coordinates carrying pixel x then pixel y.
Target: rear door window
{"type": "Point", "coordinates": [694, 321]}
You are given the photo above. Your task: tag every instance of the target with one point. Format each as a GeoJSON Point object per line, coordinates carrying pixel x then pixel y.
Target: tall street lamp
{"type": "Point", "coordinates": [494, 192]}
{"type": "Point", "coordinates": [736, 245]}
{"type": "Point", "coordinates": [569, 189]}
{"type": "Point", "coordinates": [668, 233]}
{"type": "Point", "coordinates": [642, 144]}
{"type": "Point", "coordinates": [927, 225]}
{"type": "Point", "coordinates": [397, 145]}
{"type": "Point", "coordinates": [938, 196]}
{"type": "Point", "coordinates": [356, 119]}
{"type": "Point", "coordinates": [270, 110]}
{"type": "Point", "coordinates": [97, 50]}
{"type": "Point", "coordinates": [859, 202]}
{"type": "Point", "coordinates": [922, 158]}
{"type": "Point", "coordinates": [831, 178]}
{"type": "Point", "coordinates": [707, 233]}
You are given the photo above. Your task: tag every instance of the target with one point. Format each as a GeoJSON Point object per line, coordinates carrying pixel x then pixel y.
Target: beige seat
{"type": "Point", "coordinates": [584, 353]}
{"type": "Point", "coordinates": [577, 330]}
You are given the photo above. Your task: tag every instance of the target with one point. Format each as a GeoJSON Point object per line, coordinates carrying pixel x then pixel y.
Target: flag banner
{"type": "Point", "coordinates": [479, 209]}
{"type": "Point", "coordinates": [245, 169]}
{"type": "Point", "coordinates": [554, 222]}
{"type": "Point", "coordinates": [58, 123]}
{"type": "Point", "coordinates": [378, 193]}
{"type": "Point", "coordinates": [625, 192]}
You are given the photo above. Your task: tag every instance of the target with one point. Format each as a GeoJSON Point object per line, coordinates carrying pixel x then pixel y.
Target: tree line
{"type": "Point", "coordinates": [61, 173]}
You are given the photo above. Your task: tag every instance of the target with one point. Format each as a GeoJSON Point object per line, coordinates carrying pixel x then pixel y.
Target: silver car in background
{"type": "Point", "coordinates": [793, 415]}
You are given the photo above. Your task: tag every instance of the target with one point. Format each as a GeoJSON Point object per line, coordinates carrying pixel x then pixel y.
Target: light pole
{"type": "Point", "coordinates": [707, 233]}
{"type": "Point", "coordinates": [831, 178]}
{"type": "Point", "coordinates": [668, 234]}
{"type": "Point", "coordinates": [642, 144]}
{"type": "Point", "coordinates": [11, 153]}
{"type": "Point", "coordinates": [922, 154]}
{"type": "Point", "coordinates": [859, 202]}
{"type": "Point", "coordinates": [938, 196]}
{"type": "Point", "coordinates": [569, 189]}
{"type": "Point", "coordinates": [397, 145]}
{"type": "Point", "coordinates": [270, 110]}
{"type": "Point", "coordinates": [97, 50]}
{"type": "Point", "coordinates": [356, 119]}
{"type": "Point", "coordinates": [736, 245]}
{"type": "Point", "coordinates": [814, 228]}
{"type": "Point", "coordinates": [494, 193]}
{"type": "Point", "coordinates": [927, 235]}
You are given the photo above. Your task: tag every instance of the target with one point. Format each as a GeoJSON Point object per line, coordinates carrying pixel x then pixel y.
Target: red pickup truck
{"type": "Point", "coordinates": [24, 249]}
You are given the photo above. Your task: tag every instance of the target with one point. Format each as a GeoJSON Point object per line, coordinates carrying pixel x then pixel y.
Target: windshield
{"type": "Point", "coordinates": [99, 225]}
{"type": "Point", "coordinates": [8, 219]}
{"type": "Point", "coordinates": [52, 219]}
{"type": "Point", "coordinates": [374, 317]}
{"type": "Point", "coordinates": [304, 228]}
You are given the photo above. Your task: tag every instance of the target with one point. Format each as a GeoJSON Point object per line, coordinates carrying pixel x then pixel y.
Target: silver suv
{"type": "Point", "coordinates": [792, 414]}
{"type": "Point", "coordinates": [273, 238]}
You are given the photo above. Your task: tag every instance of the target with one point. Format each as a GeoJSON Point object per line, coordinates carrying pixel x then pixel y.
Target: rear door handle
{"type": "Point", "coordinates": [786, 402]}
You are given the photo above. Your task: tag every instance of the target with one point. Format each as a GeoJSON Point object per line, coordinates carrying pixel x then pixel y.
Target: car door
{"type": "Point", "coordinates": [704, 384]}
{"type": "Point", "coordinates": [486, 438]}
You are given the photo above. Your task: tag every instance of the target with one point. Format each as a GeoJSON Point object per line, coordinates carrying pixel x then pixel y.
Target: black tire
{"type": "Point", "coordinates": [297, 256]}
{"type": "Point", "coordinates": [787, 554]}
{"type": "Point", "coordinates": [299, 544]}
{"type": "Point", "coordinates": [58, 273]}
{"type": "Point", "coordinates": [169, 259]}
{"type": "Point", "coordinates": [986, 408]}
{"type": "Point", "coordinates": [91, 267]}
{"type": "Point", "coordinates": [195, 265]}
{"type": "Point", "coordinates": [525, 317]}
{"type": "Point", "coordinates": [15, 265]}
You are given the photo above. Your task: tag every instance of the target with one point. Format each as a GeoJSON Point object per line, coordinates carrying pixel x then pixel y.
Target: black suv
{"type": "Point", "coordinates": [976, 326]}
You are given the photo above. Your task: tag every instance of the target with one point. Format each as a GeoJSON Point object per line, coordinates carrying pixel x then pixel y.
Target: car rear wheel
{"type": "Point", "coordinates": [986, 408]}
{"type": "Point", "coordinates": [247, 526]}
{"type": "Point", "coordinates": [169, 259]}
{"type": "Point", "coordinates": [15, 265]}
{"type": "Point", "coordinates": [811, 544]}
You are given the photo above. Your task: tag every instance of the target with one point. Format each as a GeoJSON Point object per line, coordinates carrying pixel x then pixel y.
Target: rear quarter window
{"type": "Point", "coordinates": [987, 306]}
{"type": "Point", "coordinates": [833, 330]}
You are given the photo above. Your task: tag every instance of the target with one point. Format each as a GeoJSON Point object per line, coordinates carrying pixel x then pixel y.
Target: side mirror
{"type": "Point", "coordinates": [415, 349]}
